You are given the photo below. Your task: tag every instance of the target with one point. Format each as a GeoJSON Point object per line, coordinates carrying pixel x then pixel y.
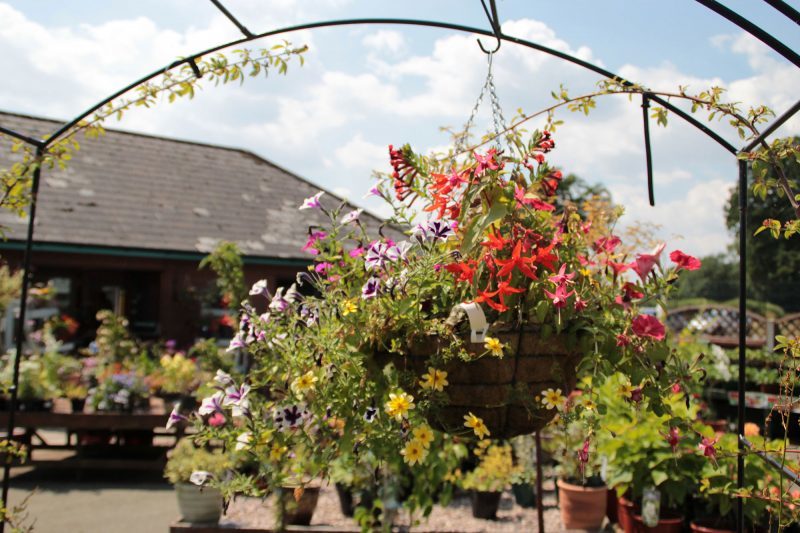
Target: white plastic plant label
{"type": "Point", "coordinates": [651, 506]}
{"type": "Point", "coordinates": [477, 321]}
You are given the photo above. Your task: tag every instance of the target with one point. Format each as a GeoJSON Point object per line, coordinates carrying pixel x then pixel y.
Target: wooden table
{"type": "Point", "coordinates": [126, 439]}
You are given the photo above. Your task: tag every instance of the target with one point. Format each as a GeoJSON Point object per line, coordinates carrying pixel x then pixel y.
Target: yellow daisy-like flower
{"type": "Point", "coordinates": [589, 404]}
{"type": "Point", "coordinates": [424, 435]}
{"type": "Point", "coordinates": [476, 424]}
{"type": "Point", "coordinates": [304, 383]}
{"type": "Point", "coordinates": [626, 389]}
{"type": "Point", "coordinates": [348, 307]}
{"type": "Point", "coordinates": [414, 452]}
{"type": "Point", "coordinates": [434, 379]}
{"type": "Point", "coordinates": [399, 404]}
{"type": "Point", "coordinates": [552, 399]}
{"type": "Point", "coordinates": [277, 452]}
{"type": "Point", "coordinates": [494, 346]}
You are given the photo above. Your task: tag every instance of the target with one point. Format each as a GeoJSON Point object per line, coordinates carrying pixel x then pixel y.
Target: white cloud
{"type": "Point", "coordinates": [385, 41]}
{"type": "Point", "coordinates": [360, 154]}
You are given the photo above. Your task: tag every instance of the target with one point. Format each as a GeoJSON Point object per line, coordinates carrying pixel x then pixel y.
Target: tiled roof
{"type": "Point", "coordinates": [140, 191]}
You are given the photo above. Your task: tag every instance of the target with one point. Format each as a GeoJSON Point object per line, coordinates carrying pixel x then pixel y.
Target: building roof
{"type": "Point", "coordinates": [127, 190]}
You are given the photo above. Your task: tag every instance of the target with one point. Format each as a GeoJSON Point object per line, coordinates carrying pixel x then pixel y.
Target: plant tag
{"type": "Point", "coordinates": [477, 322]}
{"type": "Point", "coordinates": [651, 506]}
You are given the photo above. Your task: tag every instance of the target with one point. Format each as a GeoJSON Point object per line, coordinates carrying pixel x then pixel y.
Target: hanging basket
{"type": "Point", "coordinates": [502, 392]}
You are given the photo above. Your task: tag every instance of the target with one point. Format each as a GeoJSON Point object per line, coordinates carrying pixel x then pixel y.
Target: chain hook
{"type": "Point", "coordinates": [490, 52]}
{"type": "Point", "coordinates": [495, 24]}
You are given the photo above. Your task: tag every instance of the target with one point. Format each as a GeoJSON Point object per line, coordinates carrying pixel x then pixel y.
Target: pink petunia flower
{"type": "Point", "coordinates": [684, 261]}
{"type": "Point", "coordinates": [648, 326]}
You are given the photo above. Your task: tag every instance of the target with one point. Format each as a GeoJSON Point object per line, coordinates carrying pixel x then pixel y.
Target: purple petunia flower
{"type": "Point", "coordinates": [175, 417]}
{"type": "Point", "coordinates": [237, 342]}
{"type": "Point", "coordinates": [434, 230]}
{"type": "Point", "coordinates": [211, 404]}
{"type": "Point", "coordinates": [291, 417]}
{"type": "Point", "coordinates": [371, 414]}
{"type": "Point", "coordinates": [377, 255]}
{"type": "Point", "coordinates": [279, 304]}
{"type": "Point", "coordinates": [259, 287]}
{"type": "Point", "coordinates": [352, 216]}
{"type": "Point", "coordinates": [312, 202]}
{"type": "Point", "coordinates": [236, 397]}
{"type": "Point", "coordinates": [370, 289]}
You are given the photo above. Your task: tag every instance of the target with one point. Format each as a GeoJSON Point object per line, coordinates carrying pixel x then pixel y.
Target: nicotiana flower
{"type": "Point", "coordinates": [312, 202]}
{"type": "Point", "coordinates": [259, 288]}
{"type": "Point", "coordinates": [684, 261]}
{"type": "Point", "coordinates": [211, 404]}
{"type": "Point", "coordinates": [371, 288]}
{"type": "Point", "coordinates": [648, 326]}
{"type": "Point", "coordinates": [352, 216]}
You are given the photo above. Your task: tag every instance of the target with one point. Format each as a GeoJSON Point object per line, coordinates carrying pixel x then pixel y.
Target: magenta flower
{"type": "Point", "coordinates": [560, 296]}
{"type": "Point", "coordinates": [673, 438]}
{"type": "Point", "coordinates": [312, 202]}
{"type": "Point", "coordinates": [562, 278]}
{"type": "Point", "coordinates": [356, 252]}
{"type": "Point", "coordinates": [312, 240]}
{"type": "Point", "coordinates": [684, 261]}
{"type": "Point", "coordinates": [322, 268]}
{"type": "Point", "coordinates": [708, 447]}
{"type": "Point", "coordinates": [606, 244]}
{"type": "Point", "coordinates": [374, 191]}
{"type": "Point", "coordinates": [216, 420]}
{"type": "Point", "coordinates": [648, 326]}
{"type": "Point", "coordinates": [583, 456]}
{"type": "Point", "coordinates": [486, 162]}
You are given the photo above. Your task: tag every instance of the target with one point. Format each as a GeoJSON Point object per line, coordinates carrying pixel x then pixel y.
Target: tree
{"type": "Point", "coordinates": [773, 263]}
{"type": "Point", "coordinates": [717, 280]}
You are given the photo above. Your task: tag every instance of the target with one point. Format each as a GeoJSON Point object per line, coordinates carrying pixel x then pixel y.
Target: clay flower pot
{"type": "Point", "coordinates": [710, 526]}
{"type": "Point", "coordinates": [670, 524]}
{"type": "Point", "coordinates": [625, 510]}
{"type": "Point", "coordinates": [485, 504]}
{"type": "Point", "coordinates": [582, 507]}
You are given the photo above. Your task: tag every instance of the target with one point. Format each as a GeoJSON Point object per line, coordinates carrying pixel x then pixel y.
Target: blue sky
{"type": "Point", "coordinates": [366, 87]}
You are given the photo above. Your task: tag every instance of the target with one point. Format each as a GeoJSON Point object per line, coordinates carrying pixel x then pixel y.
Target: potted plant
{"type": "Point", "coordinates": [355, 481]}
{"type": "Point", "coordinates": [582, 494]}
{"type": "Point", "coordinates": [523, 484]}
{"type": "Point", "coordinates": [652, 459]}
{"type": "Point", "coordinates": [178, 377]}
{"type": "Point", "coordinates": [193, 471]}
{"type": "Point", "coordinates": [76, 393]}
{"type": "Point", "coordinates": [35, 392]}
{"type": "Point", "coordinates": [495, 471]}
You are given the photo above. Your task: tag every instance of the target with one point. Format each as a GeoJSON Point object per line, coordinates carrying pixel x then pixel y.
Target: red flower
{"type": "Point", "coordinates": [644, 263]}
{"type": "Point", "coordinates": [503, 289]}
{"type": "Point", "coordinates": [545, 257]}
{"type": "Point", "coordinates": [708, 448]}
{"type": "Point", "coordinates": [580, 305]}
{"type": "Point", "coordinates": [618, 268]}
{"type": "Point", "coordinates": [623, 340]}
{"type": "Point", "coordinates": [673, 438]}
{"type": "Point", "coordinates": [550, 183]}
{"type": "Point", "coordinates": [485, 162]}
{"type": "Point", "coordinates": [684, 261]}
{"type": "Point", "coordinates": [630, 292]}
{"type": "Point", "coordinates": [520, 194]}
{"type": "Point", "coordinates": [494, 241]}
{"type": "Point", "coordinates": [648, 326]}
{"type": "Point", "coordinates": [523, 264]}
{"type": "Point", "coordinates": [462, 271]}
{"type": "Point", "coordinates": [606, 244]}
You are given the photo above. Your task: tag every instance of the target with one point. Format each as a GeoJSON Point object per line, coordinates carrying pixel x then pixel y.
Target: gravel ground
{"type": "Point", "coordinates": [455, 517]}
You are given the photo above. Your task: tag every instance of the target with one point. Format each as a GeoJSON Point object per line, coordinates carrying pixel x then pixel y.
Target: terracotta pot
{"type": "Point", "coordinates": [704, 526]}
{"type": "Point", "coordinates": [299, 512]}
{"type": "Point", "coordinates": [582, 507]}
{"type": "Point", "coordinates": [485, 504]}
{"type": "Point", "coordinates": [611, 506]}
{"type": "Point", "coordinates": [625, 510]}
{"type": "Point", "coordinates": [199, 505]}
{"type": "Point", "coordinates": [665, 525]}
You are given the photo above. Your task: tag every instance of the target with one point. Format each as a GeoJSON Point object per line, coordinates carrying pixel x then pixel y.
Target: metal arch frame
{"type": "Point", "coordinates": [42, 145]}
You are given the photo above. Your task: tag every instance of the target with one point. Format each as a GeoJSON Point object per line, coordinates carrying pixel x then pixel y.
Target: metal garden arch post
{"type": "Point", "coordinates": [42, 146]}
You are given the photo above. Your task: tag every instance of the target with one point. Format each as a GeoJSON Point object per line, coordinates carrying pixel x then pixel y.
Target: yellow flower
{"type": "Point", "coordinates": [477, 425]}
{"type": "Point", "coordinates": [494, 346]}
{"type": "Point", "coordinates": [434, 379]}
{"type": "Point", "coordinates": [589, 404]}
{"type": "Point", "coordinates": [399, 404]}
{"type": "Point", "coordinates": [424, 435]}
{"type": "Point", "coordinates": [304, 383]}
{"type": "Point", "coordinates": [414, 452]}
{"type": "Point", "coordinates": [348, 307]}
{"type": "Point", "coordinates": [553, 399]}
{"type": "Point", "coordinates": [626, 389]}
{"type": "Point", "coordinates": [277, 452]}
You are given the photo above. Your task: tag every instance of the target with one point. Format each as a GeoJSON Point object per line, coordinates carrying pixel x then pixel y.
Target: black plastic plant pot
{"type": "Point", "coordinates": [524, 495]}
{"type": "Point", "coordinates": [345, 499]}
{"type": "Point", "coordinates": [77, 404]}
{"type": "Point", "coordinates": [485, 504]}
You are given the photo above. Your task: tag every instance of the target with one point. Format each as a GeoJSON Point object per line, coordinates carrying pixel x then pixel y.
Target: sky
{"type": "Point", "coordinates": [365, 87]}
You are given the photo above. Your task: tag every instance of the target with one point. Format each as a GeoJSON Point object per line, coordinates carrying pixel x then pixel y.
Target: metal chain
{"type": "Point", "coordinates": [498, 120]}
